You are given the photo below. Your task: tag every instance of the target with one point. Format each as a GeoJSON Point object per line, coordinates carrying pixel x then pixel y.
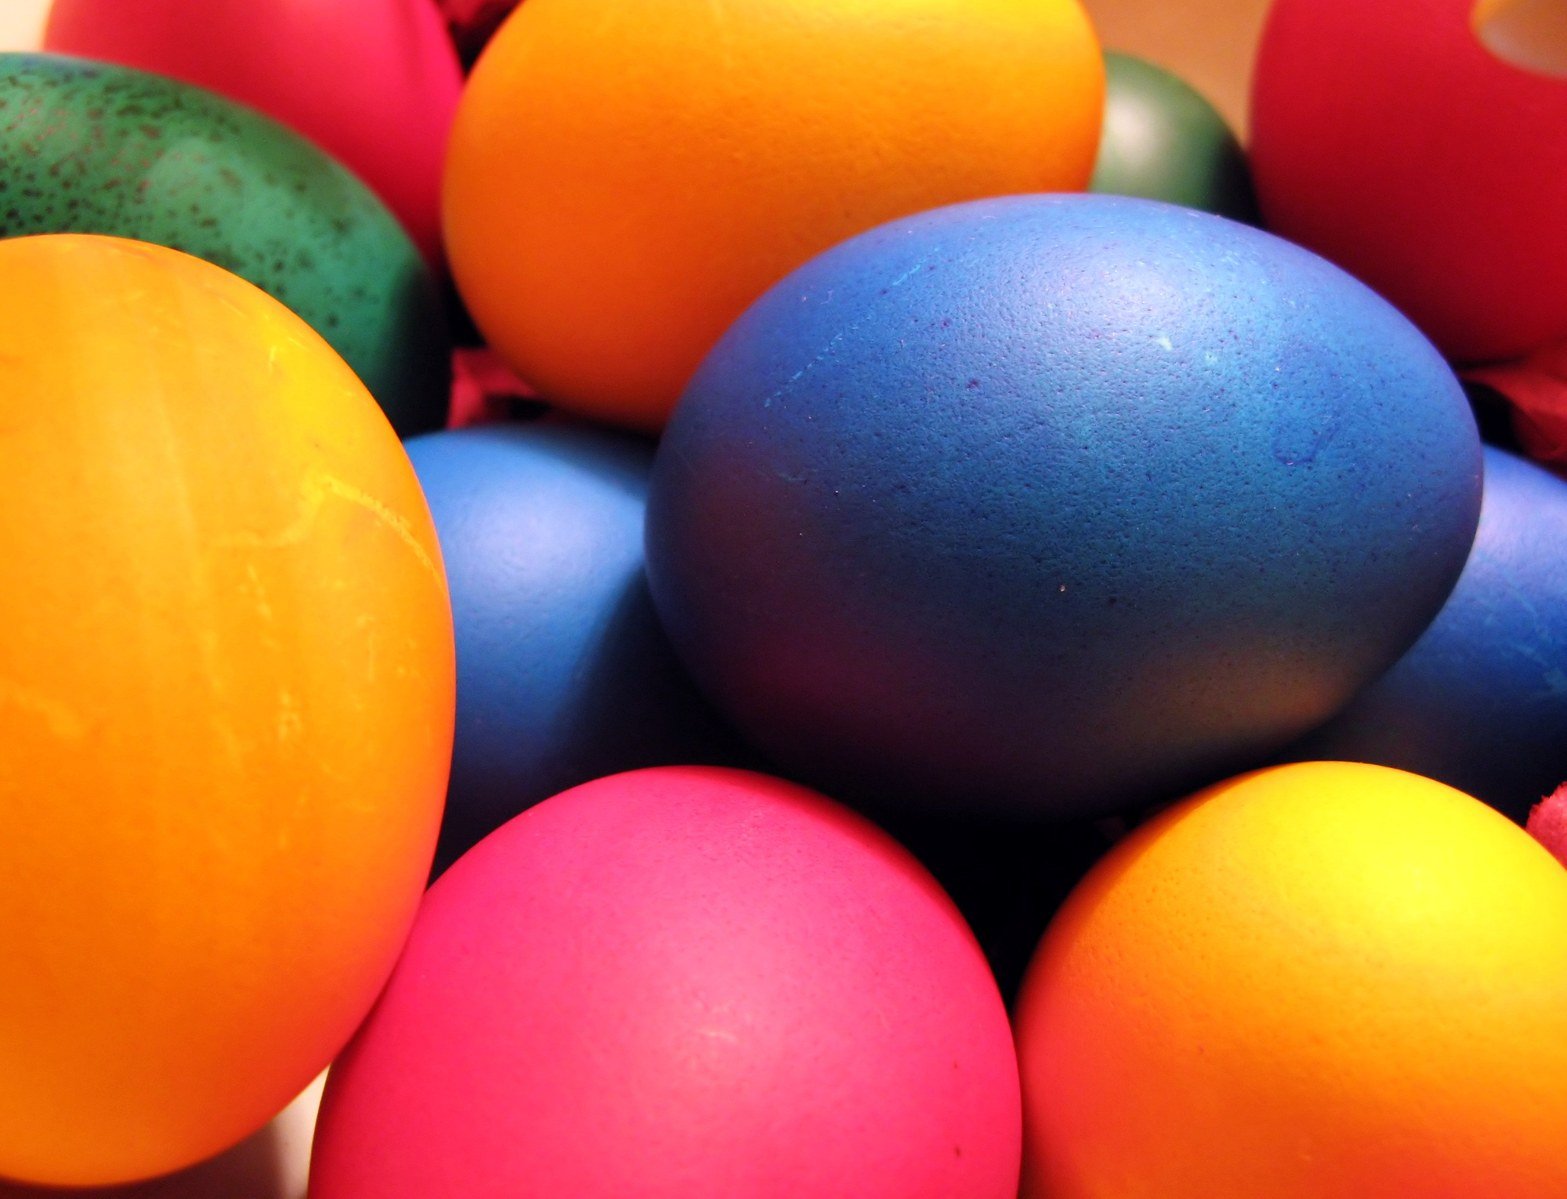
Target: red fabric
{"type": "Point", "coordinates": [484, 389]}
{"type": "Point", "coordinates": [1548, 823]}
{"type": "Point", "coordinates": [1536, 388]}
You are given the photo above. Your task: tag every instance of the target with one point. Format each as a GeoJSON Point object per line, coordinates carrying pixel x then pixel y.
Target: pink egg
{"type": "Point", "coordinates": [374, 82]}
{"type": "Point", "coordinates": [680, 983]}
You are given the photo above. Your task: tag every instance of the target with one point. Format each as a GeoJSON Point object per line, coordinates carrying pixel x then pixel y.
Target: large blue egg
{"type": "Point", "coordinates": [1056, 505]}
{"type": "Point", "coordinates": [1480, 701]}
{"type": "Point", "coordinates": [563, 674]}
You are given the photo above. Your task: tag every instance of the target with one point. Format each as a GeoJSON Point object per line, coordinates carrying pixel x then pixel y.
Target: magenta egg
{"type": "Point", "coordinates": [680, 983]}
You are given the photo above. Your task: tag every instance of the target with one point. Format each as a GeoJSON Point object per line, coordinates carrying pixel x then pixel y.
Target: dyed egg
{"type": "Point", "coordinates": [680, 983]}
{"type": "Point", "coordinates": [103, 149]}
{"type": "Point", "coordinates": [1313, 982]}
{"type": "Point", "coordinates": [564, 672]}
{"type": "Point", "coordinates": [271, 1164]}
{"type": "Point", "coordinates": [226, 703]}
{"type": "Point", "coordinates": [623, 182]}
{"type": "Point", "coordinates": [1388, 138]}
{"type": "Point", "coordinates": [373, 82]}
{"type": "Point", "coordinates": [1054, 504]}
{"type": "Point", "coordinates": [1480, 701]}
{"type": "Point", "coordinates": [1163, 141]}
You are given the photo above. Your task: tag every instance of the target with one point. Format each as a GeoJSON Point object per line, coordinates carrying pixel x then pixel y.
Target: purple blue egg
{"type": "Point", "coordinates": [563, 674]}
{"type": "Point", "coordinates": [1055, 505]}
{"type": "Point", "coordinates": [1480, 701]}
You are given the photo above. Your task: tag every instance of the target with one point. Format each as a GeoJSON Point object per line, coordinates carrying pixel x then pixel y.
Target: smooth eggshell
{"type": "Point", "coordinates": [1318, 981]}
{"type": "Point", "coordinates": [1387, 137]}
{"type": "Point", "coordinates": [1480, 701]}
{"type": "Point", "coordinates": [623, 182]}
{"type": "Point", "coordinates": [1055, 504]}
{"type": "Point", "coordinates": [1163, 140]}
{"type": "Point", "coordinates": [564, 673]}
{"type": "Point", "coordinates": [272, 1164]}
{"type": "Point", "coordinates": [680, 983]}
{"type": "Point", "coordinates": [373, 82]}
{"type": "Point", "coordinates": [226, 704]}
{"type": "Point", "coordinates": [96, 148]}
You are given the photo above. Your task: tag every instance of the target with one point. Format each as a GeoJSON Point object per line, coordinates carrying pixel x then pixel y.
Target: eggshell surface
{"type": "Point", "coordinates": [1480, 701]}
{"type": "Point", "coordinates": [95, 148]}
{"type": "Point", "coordinates": [564, 674]}
{"type": "Point", "coordinates": [1054, 504]}
{"type": "Point", "coordinates": [1388, 138]}
{"type": "Point", "coordinates": [623, 182]}
{"type": "Point", "coordinates": [271, 1164]}
{"type": "Point", "coordinates": [1163, 141]}
{"type": "Point", "coordinates": [373, 82]}
{"type": "Point", "coordinates": [1322, 980]}
{"type": "Point", "coordinates": [680, 983]}
{"type": "Point", "coordinates": [226, 698]}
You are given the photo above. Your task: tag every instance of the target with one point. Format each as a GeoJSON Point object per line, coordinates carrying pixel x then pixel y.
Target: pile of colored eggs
{"type": "Point", "coordinates": [943, 471]}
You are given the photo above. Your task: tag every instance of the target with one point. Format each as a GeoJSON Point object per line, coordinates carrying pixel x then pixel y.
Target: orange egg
{"type": "Point", "coordinates": [623, 180]}
{"type": "Point", "coordinates": [226, 704]}
{"type": "Point", "coordinates": [1317, 981]}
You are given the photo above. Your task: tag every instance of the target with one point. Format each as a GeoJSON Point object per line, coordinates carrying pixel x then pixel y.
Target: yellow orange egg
{"type": "Point", "coordinates": [1316, 981]}
{"type": "Point", "coordinates": [226, 704]}
{"type": "Point", "coordinates": [623, 180]}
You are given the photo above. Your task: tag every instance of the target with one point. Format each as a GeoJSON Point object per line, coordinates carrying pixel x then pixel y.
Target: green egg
{"type": "Point", "coordinates": [1163, 141]}
{"type": "Point", "coordinates": [94, 148]}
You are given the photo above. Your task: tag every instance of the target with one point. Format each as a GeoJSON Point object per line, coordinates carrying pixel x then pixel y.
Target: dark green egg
{"type": "Point", "coordinates": [93, 148]}
{"type": "Point", "coordinates": [1163, 141]}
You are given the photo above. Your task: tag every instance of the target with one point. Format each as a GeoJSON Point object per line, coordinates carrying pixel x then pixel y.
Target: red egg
{"type": "Point", "coordinates": [1388, 138]}
{"type": "Point", "coordinates": [680, 983]}
{"type": "Point", "coordinates": [373, 82]}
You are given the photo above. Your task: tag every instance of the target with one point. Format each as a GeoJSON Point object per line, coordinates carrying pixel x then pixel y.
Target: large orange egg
{"type": "Point", "coordinates": [623, 180]}
{"type": "Point", "coordinates": [1324, 980]}
{"type": "Point", "coordinates": [226, 704]}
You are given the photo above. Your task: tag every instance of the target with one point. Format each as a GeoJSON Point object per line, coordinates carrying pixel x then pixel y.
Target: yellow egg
{"type": "Point", "coordinates": [226, 704]}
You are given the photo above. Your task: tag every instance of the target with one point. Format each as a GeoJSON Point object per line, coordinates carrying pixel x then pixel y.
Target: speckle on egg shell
{"type": "Point", "coordinates": [95, 148]}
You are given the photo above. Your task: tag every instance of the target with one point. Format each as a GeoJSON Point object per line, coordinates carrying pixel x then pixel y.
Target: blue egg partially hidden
{"type": "Point", "coordinates": [563, 674]}
{"type": "Point", "coordinates": [1480, 701]}
{"type": "Point", "coordinates": [1056, 505]}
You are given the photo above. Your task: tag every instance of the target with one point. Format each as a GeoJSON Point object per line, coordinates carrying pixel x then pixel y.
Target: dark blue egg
{"type": "Point", "coordinates": [563, 674]}
{"type": "Point", "coordinates": [1056, 504]}
{"type": "Point", "coordinates": [1480, 701]}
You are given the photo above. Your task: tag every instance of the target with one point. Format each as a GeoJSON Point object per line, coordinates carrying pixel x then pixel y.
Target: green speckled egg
{"type": "Point", "coordinates": [93, 148]}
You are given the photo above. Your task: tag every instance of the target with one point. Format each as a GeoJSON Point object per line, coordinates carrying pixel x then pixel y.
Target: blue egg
{"type": "Point", "coordinates": [1055, 505]}
{"type": "Point", "coordinates": [563, 674]}
{"type": "Point", "coordinates": [1480, 701]}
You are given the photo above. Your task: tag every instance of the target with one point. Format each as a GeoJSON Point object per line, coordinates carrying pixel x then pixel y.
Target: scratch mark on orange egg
{"type": "Point", "coordinates": [63, 721]}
